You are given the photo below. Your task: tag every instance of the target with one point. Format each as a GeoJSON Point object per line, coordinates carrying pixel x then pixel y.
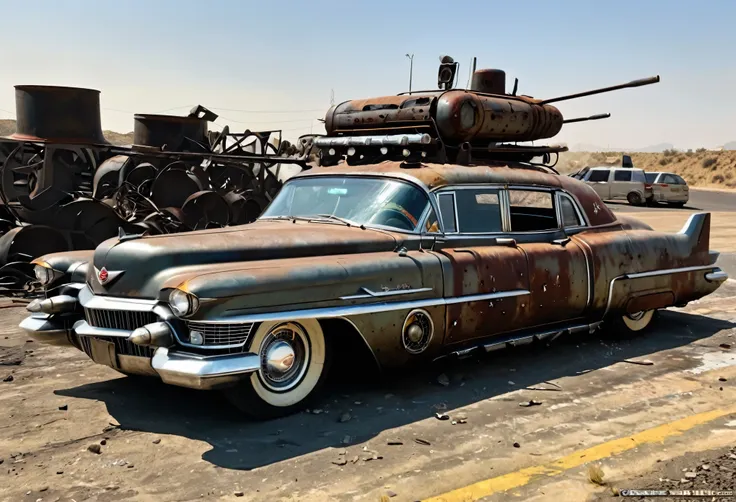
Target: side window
{"type": "Point", "coordinates": [599, 175]}
{"type": "Point", "coordinates": [532, 210]}
{"type": "Point", "coordinates": [679, 179]}
{"type": "Point", "coordinates": [478, 210]}
{"type": "Point", "coordinates": [569, 216]}
{"type": "Point", "coordinates": [446, 201]}
{"type": "Point", "coordinates": [621, 175]}
{"type": "Point", "coordinates": [639, 176]}
{"type": "Point", "coordinates": [668, 178]}
{"type": "Point", "coordinates": [432, 225]}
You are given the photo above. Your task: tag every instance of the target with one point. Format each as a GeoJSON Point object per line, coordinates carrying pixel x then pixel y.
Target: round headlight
{"type": "Point", "coordinates": [43, 274]}
{"type": "Point", "coordinates": [183, 303]}
{"type": "Point", "coordinates": [467, 115]}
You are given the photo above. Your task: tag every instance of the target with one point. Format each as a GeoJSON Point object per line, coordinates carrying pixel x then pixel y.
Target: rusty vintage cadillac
{"type": "Point", "coordinates": [409, 258]}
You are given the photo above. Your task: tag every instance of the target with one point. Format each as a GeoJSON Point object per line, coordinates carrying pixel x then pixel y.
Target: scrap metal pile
{"type": "Point", "coordinates": [64, 187]}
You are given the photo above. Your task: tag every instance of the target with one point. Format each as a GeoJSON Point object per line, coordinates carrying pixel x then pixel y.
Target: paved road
{"type": "Point", "coordinates": [700, 200]}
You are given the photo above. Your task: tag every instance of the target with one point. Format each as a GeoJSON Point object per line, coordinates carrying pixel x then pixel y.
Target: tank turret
{"type": "Point", "coordinates": [482, 121]}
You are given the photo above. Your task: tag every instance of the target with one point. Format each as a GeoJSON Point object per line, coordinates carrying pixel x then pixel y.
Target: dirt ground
{"type": "Point", "coordinates": [632, 410]}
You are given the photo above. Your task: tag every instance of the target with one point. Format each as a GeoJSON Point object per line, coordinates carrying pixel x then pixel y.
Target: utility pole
{"type": "Point", "coordinates": [411, 69]}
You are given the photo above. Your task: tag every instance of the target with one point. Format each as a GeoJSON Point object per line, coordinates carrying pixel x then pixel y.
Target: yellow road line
{"type": "Point", "coordinates": [578, 458]}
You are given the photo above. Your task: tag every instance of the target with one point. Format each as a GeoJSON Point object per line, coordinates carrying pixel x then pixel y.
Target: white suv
{"type": "Point", "coordinates": [615, 183]}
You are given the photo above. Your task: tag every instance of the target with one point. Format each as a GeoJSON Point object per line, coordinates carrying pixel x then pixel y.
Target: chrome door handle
{"type": "Point", "coordinates": [561, 242]}
{"type": "Point", "coordinates": [505, 241]}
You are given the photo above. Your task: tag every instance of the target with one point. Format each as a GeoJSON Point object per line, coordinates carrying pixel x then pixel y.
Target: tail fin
{"type": "Point", "coordinates": [697, 230]}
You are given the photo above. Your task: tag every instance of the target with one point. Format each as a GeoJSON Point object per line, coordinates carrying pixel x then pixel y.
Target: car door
{"type": "Point", "coordinates": [621, 184]}
{"type": "Point", "coordinates": [598, 179]}
{"type": "Point", "coordinates": [485, 274]}
{"type": "Point", "coordinates": [558, 270]}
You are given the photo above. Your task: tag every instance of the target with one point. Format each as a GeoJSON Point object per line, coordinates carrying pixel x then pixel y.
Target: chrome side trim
{"type": "Point", "coordinates": [389, 139]}
{"type": "Point", "coordinates": [653, 273]}
{"type": "Point", "coordinates": [668, 271]}
{"type": "Point", "coordinates": [81, 328]}
{"type": "Point", "coordinates": [351, 310]}
{"type": "Point", "coordinates": [485, 296]}
{"type": "Point", "coordinates": [515, 340]}
{"type": "Point", "coordinates": [716, 276]}
{"type": "Point", "coordinates": [91, 301]}
{"type": "Point", "coordinates": [382, 294]}
{"type": "Point", "coordinates": [198, 372]}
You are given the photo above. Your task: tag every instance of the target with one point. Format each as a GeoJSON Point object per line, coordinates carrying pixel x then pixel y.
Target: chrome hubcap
{"type": "Point", "coordinates": [280, 357]}
{"type": "Point", "coordinates": [636, 316]}
{"type": "Point", "coordinates": [285, 355]}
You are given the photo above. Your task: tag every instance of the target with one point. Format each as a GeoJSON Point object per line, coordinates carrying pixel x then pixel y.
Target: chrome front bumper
{"type": "Point", "coordinates": [173, 367]}
{"type": "Point", "coordinates": [203, 372]}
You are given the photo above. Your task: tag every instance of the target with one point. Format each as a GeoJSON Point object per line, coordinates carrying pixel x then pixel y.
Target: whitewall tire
{"type": "Point", "coordinates": [294, 362]}
{"type": "Point", "coordinates": [630, 325]}
{"type": "Point", "coordinates": [638, 321]}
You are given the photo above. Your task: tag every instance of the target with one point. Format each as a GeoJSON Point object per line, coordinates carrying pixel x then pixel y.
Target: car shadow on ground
{"type": "Point", "coordinates": [374, 404]}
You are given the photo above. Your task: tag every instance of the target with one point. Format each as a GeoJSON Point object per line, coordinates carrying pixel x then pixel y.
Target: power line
{"type": "Point", "coordinates": [223, 109]}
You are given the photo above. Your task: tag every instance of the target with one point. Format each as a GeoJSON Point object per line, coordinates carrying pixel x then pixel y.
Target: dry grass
{"type": "Point", "coordinates": [595, 475]}
{"type": "Point", "coordinates": [701, 167]}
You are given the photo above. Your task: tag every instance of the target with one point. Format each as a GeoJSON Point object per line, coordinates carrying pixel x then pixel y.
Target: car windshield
{"type": "Point", "coordinates": [651, 177]}
{"type": "Point", "coordinates": [355, 200]}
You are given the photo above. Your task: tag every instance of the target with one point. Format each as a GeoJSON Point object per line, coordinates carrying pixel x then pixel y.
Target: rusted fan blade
{"type": "Point", "coordinates": [136, 175]}
{"type": "Point", "coordinates": [88, 222]}
{"type": "Point", "coordinates": [245, 207]}
{"type": "Point", "coordinates": [107, 176]}
{"type": "Point", "coordinates": [205, 209]}
{"type": "Point", "coordinates": [27, 243]}
{"type": "Point", "coordinates": [173, 186]}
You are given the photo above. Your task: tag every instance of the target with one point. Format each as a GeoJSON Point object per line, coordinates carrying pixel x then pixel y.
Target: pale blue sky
{"type": "Point", "coordinates": [150, 56]}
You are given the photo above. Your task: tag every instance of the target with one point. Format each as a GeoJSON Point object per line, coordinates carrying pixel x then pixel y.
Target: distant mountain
{"type": "Point", "coordinates": [731, 145]}
{"type": "Point", "coordinates": [7, 127]}
{"type": "Point", "coordinates": [585, 147]}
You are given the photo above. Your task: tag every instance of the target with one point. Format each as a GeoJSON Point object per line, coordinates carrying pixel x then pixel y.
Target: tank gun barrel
{"type": "Point", "coordinates": [633, 83]}
{"type": "Point", "coordinates": [584, 119]}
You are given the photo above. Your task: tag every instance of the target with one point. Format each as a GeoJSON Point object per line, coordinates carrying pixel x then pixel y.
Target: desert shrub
{"type": "Point", "coordinates": [710, 161]}
{"type": "Point", "coordinates": [669, 152]}
{"type": "Point", "coordinates": [729, 175]}
{"type": "Point", "coordinates": [689, 152]}
{"type": "Point", "coordinates": [717, 178]}
{"type": "Point", "coordinates": [700, 150]}
{"type": "Point", "coordinates": [664, 161]}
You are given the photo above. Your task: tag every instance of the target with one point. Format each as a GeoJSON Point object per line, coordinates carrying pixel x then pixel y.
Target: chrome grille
{"type": "Point", "coordinates": [222, 334]}
{"type": "Point", "coordinates": [127, 320]}
{"type": "Point", "coordinates": [122, 346]}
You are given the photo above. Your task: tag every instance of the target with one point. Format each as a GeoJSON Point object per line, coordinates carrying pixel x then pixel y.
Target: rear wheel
{"type": "Point", "coordinates": [294, 362]}
{"type": "Point", "coordinates": [634, 198]}
{"type": "Point", "coordinates": [632, 324]}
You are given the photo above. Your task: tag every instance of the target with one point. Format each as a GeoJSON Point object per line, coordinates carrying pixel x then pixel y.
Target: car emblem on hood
{"type": "Point", "coordinates": [105, 276]}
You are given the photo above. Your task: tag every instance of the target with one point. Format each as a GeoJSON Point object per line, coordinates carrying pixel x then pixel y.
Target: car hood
{"type": "Point", "coordinates": [140, 267]}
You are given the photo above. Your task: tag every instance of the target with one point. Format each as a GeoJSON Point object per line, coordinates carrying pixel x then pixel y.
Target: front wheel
{"type": "Point", "coordinates": [294, 362]}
